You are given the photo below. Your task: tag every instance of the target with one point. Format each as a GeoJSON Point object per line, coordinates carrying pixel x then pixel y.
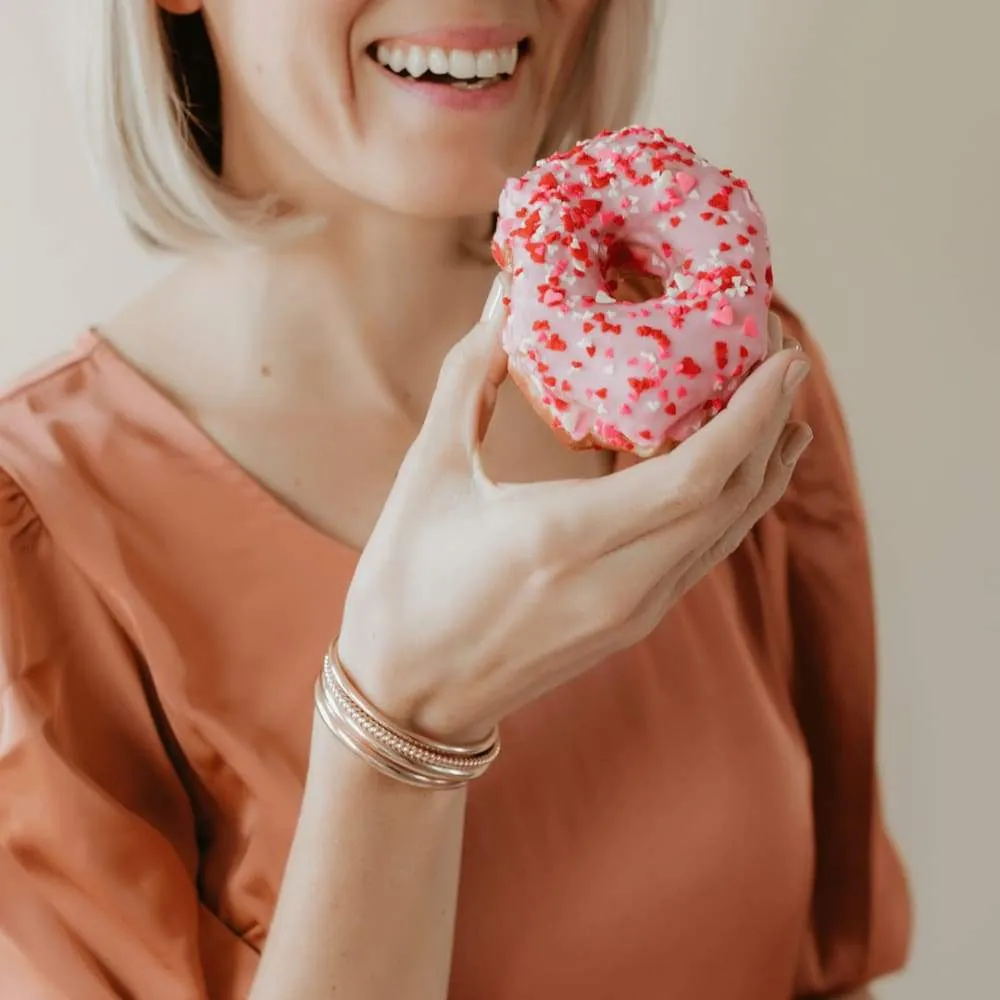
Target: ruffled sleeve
{"type": "Point", "coordinates": [98, 849]}
{"type": "Point", "coordinates": [860, 921]}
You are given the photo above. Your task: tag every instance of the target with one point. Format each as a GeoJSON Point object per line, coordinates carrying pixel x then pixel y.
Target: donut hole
{"type": "Point", "coordinates": [627, 274]}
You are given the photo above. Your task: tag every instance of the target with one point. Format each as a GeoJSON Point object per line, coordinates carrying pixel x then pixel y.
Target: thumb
{"type": "Point", "coordinates": [470, 378]}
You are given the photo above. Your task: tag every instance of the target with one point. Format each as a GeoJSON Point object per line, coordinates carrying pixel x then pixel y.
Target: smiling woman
{"type": "Point", "coordinates": [155, 115]}
{"type": "Point", "coordinates": [282, 554]}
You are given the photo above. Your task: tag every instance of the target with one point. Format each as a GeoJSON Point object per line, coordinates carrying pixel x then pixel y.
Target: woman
{"type": "Point", "coordinates": [280, 444]}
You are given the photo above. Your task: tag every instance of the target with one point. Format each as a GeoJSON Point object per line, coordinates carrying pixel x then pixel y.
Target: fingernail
{"type": "Point", "coordinates": [774, 327]}
{"type": "Point", "coordinates": [797, 371]}
{"type": "Point", "coordinates": [796, 444]}
{"type": "Point", "coordinates": [494, 301]}
{"type": "Point", "coordinates": [791, 344]}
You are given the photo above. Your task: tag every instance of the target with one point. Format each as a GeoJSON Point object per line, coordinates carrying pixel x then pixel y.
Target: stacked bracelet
{"type": "Point", "coordinates": [394, 751]}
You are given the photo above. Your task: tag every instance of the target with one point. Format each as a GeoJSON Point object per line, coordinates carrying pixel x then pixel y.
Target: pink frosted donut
{"type": "Point", "coordinates": [641, 282]}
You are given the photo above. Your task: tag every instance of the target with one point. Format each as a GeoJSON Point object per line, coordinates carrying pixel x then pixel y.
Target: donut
{"type": "Point", "coordinates": [639, 292]}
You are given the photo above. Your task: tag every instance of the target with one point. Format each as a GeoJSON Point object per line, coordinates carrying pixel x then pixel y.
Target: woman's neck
{"type": "Point", "coordinates": [375, 296]}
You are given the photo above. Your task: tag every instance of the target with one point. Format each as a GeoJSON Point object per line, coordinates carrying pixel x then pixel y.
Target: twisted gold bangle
{"type": "Point", "coordinates": [395, 751]}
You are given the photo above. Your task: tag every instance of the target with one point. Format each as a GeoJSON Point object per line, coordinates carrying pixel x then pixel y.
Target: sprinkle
{"type": "Point", "coordinates": [686, 182]}
{"type": "Point", "coordinates": [721, 200]}
{"type": "Point", "coordinates": [723, 315]}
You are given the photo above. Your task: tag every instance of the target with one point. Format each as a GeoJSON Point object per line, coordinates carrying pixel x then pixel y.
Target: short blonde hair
{"type": "Point", "coordinates": [153, 119]}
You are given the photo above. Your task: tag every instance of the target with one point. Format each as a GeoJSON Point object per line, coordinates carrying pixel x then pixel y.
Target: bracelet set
{"type": "Point", "coordinates": [395, 751]}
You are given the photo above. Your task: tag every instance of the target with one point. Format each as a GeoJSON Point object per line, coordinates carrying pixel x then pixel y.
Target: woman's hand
{"type": "Point", "coordinates": [473, 598]}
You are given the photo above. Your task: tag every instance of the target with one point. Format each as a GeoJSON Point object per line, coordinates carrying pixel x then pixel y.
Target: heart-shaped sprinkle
{"type": "Point", "coordinates": [686, 182]}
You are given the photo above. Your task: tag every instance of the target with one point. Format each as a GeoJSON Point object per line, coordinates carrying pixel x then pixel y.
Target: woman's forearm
{"type": "Point", "coordinates": [367, 904]}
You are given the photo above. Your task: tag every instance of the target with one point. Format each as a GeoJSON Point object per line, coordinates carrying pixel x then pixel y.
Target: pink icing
{"type": "Point", "coordinates": [630, 375]}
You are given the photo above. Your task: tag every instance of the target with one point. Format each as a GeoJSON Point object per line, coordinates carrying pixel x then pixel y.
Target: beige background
{"type": "Point", "coordinates": [871, 132]}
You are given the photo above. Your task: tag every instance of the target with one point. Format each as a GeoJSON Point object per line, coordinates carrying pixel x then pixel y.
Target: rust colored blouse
{"type": "Point", "coordinates": [706, 825]}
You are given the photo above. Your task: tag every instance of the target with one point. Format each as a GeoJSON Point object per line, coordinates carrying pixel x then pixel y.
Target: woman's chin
{"type": "Point", "coordinates": [437, 188]}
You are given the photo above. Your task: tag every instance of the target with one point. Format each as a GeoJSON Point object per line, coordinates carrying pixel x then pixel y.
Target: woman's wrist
{"type": "Point", "coordinates": [403, 752]}
{"type": "Point", "coordinates": [389, 681]}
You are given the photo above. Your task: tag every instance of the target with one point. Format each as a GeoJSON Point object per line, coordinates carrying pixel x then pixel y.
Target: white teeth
{"type": "Point", "coordinates": [487, 65]}
{"type": "Point", "coordinates": [416, 62]}
{"type": "Point", "coordinates": [508, 59]}
{"type": "Point", "coordinates": [437, 61]}
{"type": "Point", "coordinates": [397, 61]}
{"type": "Point", "coordinates": [461, 64]}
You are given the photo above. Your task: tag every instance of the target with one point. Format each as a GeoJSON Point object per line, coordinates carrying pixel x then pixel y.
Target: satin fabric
{"type": "Point", "coordinates": [698, 818]}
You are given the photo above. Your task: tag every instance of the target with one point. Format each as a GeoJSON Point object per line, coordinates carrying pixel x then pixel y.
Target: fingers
{"type": "Point", "coordinates": [635, 501]}
{"type": "Point", "coordinates": [469, 381]}
{"type": "Point", "coordinates": [780, 468]}
{"type": "Point", "coordinates": [775, 338]}
{"type": "Point", "coordinates": [714, 534]}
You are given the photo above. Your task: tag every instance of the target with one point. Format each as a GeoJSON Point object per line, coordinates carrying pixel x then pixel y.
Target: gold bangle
{"type": "Point", "coordinates": [396, 752]}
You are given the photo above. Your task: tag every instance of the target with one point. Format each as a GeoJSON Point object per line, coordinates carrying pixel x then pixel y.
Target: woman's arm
{"type": "Point", "coordinates": [860, 920]}
{"type": "Point", "coordinates": [367, 906]}
{"type": "Point", "coordinates": [368, 903]}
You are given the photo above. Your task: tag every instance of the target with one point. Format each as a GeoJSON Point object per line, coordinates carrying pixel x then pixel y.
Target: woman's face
{"type": "Point", "coordinates": [423, 106]}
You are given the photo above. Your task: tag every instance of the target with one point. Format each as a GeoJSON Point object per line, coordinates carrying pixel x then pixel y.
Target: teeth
{"type": "Point", "coordinates": [487, 65]}
{"type": "Point", "coordinates": [461, 64]}
{"type": "Point", "coordinates": [416, 62]}
{"type": "Point", "coordinates": [397, 61]}
{"type": "Point", "coordinates": [437, 61]}
{"type": "Point", "coordinates": [508, 59]}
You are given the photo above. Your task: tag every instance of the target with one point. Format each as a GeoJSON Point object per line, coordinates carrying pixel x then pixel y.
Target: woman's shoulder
{"type": "Point", "coordinates": [43, 412]}
{"type": "Point", "coordinates": [47, 386]}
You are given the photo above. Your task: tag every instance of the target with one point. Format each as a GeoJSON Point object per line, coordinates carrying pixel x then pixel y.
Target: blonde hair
{"type": "Point", "coordinates": [151, 107]}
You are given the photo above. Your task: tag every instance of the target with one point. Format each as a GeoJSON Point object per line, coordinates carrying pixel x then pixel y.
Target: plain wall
{"type": "Point", "coordinates": [869, 131]}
